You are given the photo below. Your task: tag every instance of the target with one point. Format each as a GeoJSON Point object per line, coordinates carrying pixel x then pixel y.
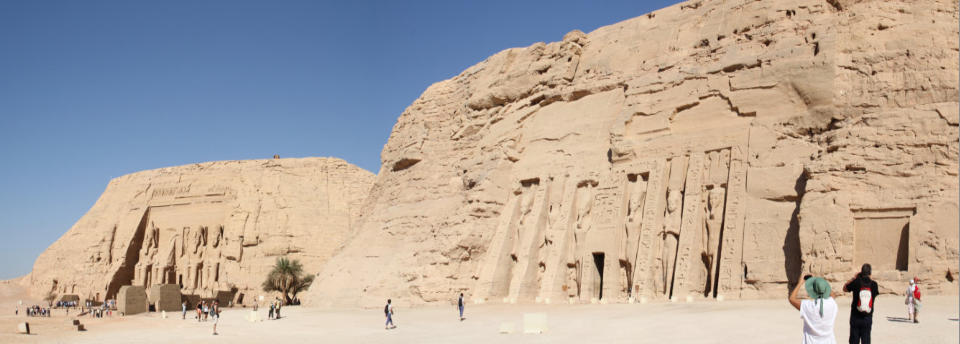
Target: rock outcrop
{"type": "Point", "coordinates": [214, 229]}
{"type": "Point", "coordinates": [709, 149]}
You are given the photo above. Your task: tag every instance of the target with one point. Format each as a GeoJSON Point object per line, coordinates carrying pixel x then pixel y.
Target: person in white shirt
{"type": "Point", "coordinates": [818, 311]}
{"type": "Point", "coordinates": [913, 303]}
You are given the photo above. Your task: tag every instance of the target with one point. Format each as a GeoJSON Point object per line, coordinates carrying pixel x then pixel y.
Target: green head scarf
{"type": "Point", "coordinates": [819, 289]}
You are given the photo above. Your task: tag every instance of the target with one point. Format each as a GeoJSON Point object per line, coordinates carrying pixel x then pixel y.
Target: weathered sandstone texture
{"type": "Point", "coordinates": [708, 149]}
{"type": "Point", "coordinates": [213, 229]}
{"type": "Point", "coordinates": [131, 299]}
{"type": "Point", "coordinates": [165, 297]}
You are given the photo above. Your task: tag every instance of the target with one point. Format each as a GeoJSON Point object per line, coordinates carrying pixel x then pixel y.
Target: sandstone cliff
{"type": "Point", "coordinates": [214, 228]}
{"type": "Point", "coordinates": [709, 149]}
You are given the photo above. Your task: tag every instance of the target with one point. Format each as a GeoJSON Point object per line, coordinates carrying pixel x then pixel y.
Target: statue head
{"type": "Point", "coordinates": [673, 200]}
{"type": "Point", "coordinates": [715, 198]}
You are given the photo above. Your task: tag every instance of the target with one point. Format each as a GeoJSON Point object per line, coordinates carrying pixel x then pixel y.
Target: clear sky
{"type": "Point", "coordinates": [92, 90]}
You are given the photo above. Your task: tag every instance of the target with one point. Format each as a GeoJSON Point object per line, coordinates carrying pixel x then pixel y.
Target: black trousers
{"type": "Point", "coordinates": [860, 330]}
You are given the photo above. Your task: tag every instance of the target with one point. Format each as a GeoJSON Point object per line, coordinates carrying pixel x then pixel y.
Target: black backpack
{"type": "Point", "coordinates": [386, 309]}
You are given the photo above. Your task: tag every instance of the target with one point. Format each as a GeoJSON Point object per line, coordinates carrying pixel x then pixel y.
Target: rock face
{"type": "Point", "coordinates": [212, 229]}
{"type": "Point", "coordinates": [706, 149]}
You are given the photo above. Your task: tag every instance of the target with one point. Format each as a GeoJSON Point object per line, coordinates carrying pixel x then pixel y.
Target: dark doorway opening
{"type": "Point", "coordinates": [598, 258]}
{"type": "Point", "coordinates": [903, 251]}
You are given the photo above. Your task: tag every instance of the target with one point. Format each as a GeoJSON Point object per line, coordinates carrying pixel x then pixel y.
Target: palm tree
{"type": "Point", "coordinates": [287, 277]}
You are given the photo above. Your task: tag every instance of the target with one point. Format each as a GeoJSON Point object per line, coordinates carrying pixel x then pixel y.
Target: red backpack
{"type": "Point", "coordinates": [916, 292]}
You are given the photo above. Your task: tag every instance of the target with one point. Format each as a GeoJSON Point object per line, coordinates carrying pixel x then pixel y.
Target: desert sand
{"type": "Point", "coordinates": [757, 321]}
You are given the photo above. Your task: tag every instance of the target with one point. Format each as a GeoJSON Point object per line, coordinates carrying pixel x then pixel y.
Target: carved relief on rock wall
{"type": "Point", "coordinates": [181, 244]}
{"type": "Point", "coordinates": [654, 229]}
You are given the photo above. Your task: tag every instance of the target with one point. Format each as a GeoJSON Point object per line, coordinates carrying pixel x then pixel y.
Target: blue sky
{"type": "Point", "coordinates": [92, 90]}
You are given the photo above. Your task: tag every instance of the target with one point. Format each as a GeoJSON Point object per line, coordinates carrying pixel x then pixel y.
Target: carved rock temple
{"type": "Point", "coordinates": [711, 149]}
{"type": "Point", "coordinates": [212, 229]}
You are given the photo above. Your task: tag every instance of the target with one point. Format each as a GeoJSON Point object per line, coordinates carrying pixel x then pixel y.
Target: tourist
{"type": "Point", "coordinates": [184, 306]}
{"type": "Point", "coordinates": [388, 311]}
{"type": "Point", "coordinates": [206, 310]}
{"type": "Point", "coordinates": [215, 313]}
{"type": "Point", "coordinates": [270, 315]}
{"type": "Point", "coordinates": [199, 310]}
{"type": "Point", "coordinates": [276, 314]}
{"type": "Point", "coordinates": [865, 292]}
{"type": "Point", "coordinates": [460, 306]}
{"type": "Point", "coordinates": [913, 300]}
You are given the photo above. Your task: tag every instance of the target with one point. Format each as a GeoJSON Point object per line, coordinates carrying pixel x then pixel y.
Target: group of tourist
{"type": "Point", "coordinates": [274, 310]}
{"type": "Point", "coordinates": [99, 312]}
{"type": "Point", "coordinates": [35, 311]}
{"type": "Point", "coordinates": [819, 310]}
{"type": "Point", "coordinates": [204, 311]}
{"type": "Point", "coordinates": [66, 304]}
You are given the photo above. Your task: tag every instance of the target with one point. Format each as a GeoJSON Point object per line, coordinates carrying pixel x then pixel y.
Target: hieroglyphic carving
{"type": "Point", "coordinates": [606, 239]}
{"type": "Point", "coordinates": [649, 240]}
{"type": "Point", "coordinates": [672, 222]}
{"type": "Point", "coordinates": [584, 200]}
{"type": "Point", "coordinates": [648, 229]}
{"type": "Point", "coordinates": [718, 166]}
{"type": "Point", "coordinates": [635, 197]}
{"type": "Point", "coordinates": [690, 228]}
{"type": "Point", "coordinates": [729, 275]}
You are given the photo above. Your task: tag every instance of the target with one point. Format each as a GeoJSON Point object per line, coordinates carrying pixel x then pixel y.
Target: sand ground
{"type": "Point", "coordinates": [758, 321]}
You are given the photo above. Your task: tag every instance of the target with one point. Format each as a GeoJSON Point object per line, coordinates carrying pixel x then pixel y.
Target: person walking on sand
{"type": "Point", "coordinates": [388, 312]}
{"type": "Point", "coordinates": [199, 310]}
{"type": "Point", "coordinates": [460, 306]}
{"type": "Point", "coordinates": [865, 292]}
{"type": "Point", "coordinates": [215, 313]}
{"type": "Point", "coordinates": [818, 310]}
{"type": "Point", "coordinates": [270, 315]}
{"type": "Point", "coordinates": [913, 300]}
{"type": "Point", "coordinates": [206, 310]}
{"type": "Point", "coordinates": [184, 306]}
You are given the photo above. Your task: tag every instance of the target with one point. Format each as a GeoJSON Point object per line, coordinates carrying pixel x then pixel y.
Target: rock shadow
{"type": "Point", "coordinates": [793, 257]}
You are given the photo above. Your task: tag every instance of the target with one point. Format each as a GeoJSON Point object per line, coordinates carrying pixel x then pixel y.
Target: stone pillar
{"type": "Point", "coordinates": [132, 300]}
{"type": "Point", "coordinates": [688, 252]}
{"type": "Point", "coordinates": [730, 275]}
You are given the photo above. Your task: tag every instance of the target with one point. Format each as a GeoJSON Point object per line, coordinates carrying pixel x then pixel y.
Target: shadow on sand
{"type": "Point", "coordinates": [898, 319]}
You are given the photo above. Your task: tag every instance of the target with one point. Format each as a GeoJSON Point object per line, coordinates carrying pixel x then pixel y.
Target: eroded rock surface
{"type": "Point", "coordinates": [212, 228]}
{"type": "Point", "coordinates": [712, 148]}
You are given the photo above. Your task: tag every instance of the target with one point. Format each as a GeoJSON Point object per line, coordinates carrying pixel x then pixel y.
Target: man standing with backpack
{"type": "Point", "coordinates": [913, 300]}
{"type": "Point", "coordinates": [864, 291]}
{"type": "Point", "coordinates": [388, 312]}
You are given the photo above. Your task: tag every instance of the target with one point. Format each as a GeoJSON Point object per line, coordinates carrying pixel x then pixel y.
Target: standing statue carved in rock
{"type": "Point", "coordinates": [671, 237]}
{"type": "Point", "coordinates": [584, 205]}
{"type": "Point", "coordinates": [712, 228]}
{"type": "Point", "coordinates": [216, 241]}
{"type": "Point", "coordinates": [638, 196]}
